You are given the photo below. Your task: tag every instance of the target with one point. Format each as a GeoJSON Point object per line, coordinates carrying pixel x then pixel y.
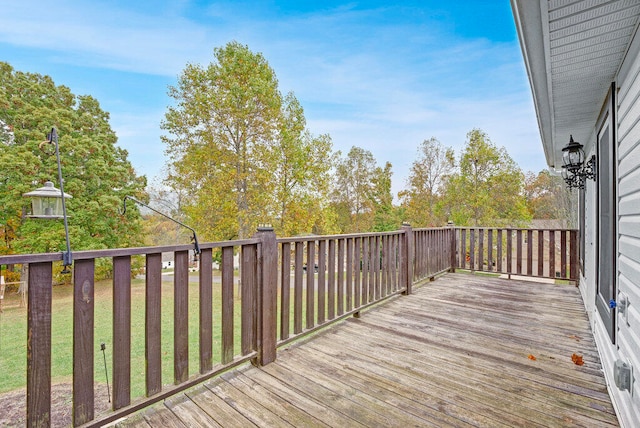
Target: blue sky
{"type": "Point", "coordinates": [379, 75]}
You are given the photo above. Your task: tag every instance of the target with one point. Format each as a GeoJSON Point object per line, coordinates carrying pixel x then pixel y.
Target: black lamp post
{"type": "Point", "coordinates": [49, 203]}
{"type": "Point", "coordinates": [574, 170]}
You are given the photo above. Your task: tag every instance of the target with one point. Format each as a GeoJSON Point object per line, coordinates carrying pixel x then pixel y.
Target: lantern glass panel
{"type": "Point", "coordinates": [46, 202]}
{"type": "Point", "coordinates": [47, 207]}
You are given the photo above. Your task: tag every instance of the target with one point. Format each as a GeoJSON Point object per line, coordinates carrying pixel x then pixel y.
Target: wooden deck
{"type": "Point", "coordinates": [458, 352]}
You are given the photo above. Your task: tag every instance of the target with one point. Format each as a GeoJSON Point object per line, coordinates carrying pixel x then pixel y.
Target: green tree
{"type": "Point", "coordinates": [361, 195]}
{"type": "Point", "coordinates": [425, 182]}
{"type": "Point", "coordinates": [242, 152]}
{"type": "Point", "coordinates": [96, 171]}
{"type": "Point", "coordinates": [488, 189]}
{"type": "Point", "coordinates": [386, 216]}
{"type": "Point", "coordinates": [301, 173]}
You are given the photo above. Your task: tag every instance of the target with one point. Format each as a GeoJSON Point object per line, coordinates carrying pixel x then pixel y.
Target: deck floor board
{"type": "Point", "coordinates": [456, 353]}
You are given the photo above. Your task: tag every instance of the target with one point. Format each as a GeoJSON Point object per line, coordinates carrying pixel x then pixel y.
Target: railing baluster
{"type": "Point", "coordinates": [227, 305]}
{"type": "Point", "coordinates": [311, 294]}
{"type": "Point", "coordinates": [357, 288]}
{"type": "Point", "coordinates": [440, 250]}
{"type": "Point", "coordinates": [349, 280]}
{"type": "Point", "coordinates": [39, 345]}
{"type": "Point", "coordinates": [181, 315]}
{"type": "Point", "coordinates": [331, 284]}
{"type": "Point", "coordinates": [397, 258]}
{"type": "Point", "coordinates": [297, 288]}
{"type": "Point", "coordinates": [248, 281]}
{"type": "Point", "coordinates": [285, 290]}
{"type": "Point", "coordinates": [490, 250]}
{"type": "Point", "coordinates": [121, 350]}
{"type": "Point", "coordinates": [499, 250]}
{"type": "Point", "coordinates": [364, 268]}
{"type": "Point", "coordinates": [529, 252]}
{"type": "Point", "coordinates": [433, 241]}
{"type": "Point", "coordinates": [384, 250]}
{"type": "Point", "coordinates": [563, 254]}
{"type": "Point", "coordinates": [452, 249]}
{"type": "Point", "coordinates": [153, 326]}
{"type": "Point", "coordinates": [541, 252]}
{"type": "Point", "coordinates": [428, 242]}
{"type": "Point", "coordinates": [472, 249]}
{"type": "Point", "coordinates": [463, 249]}
{"type": "Point", "coordinates": [206, 310]}
{"type": "Point", "coordinates": [422, 254]}
{"type": "Point", "coordinates": [481, 250]}
{"type": "Point", "coordinates": [341, 245]}
{"type": "Point", "coordinates": [573, 254]}
{"type": "Point", "coordinates": [407, 259]}
{"type": "Point", "coordinates": [322, 278]}
{"type": "Point", "coordinates": [375, 267]}
{"type": "Point", "coordinates": [509, 251]}
{"type": "Point", "coordinates": [552, 254]}
{"type": "Point", "coordinates": [519, 251]}
{"type": "Point", "coordinates": [83, 347]}
{"type": "Point", "coordinates": [372, 268]}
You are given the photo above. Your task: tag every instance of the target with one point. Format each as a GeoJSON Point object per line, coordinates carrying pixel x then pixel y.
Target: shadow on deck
{"type": "Point", "coordinates": [464, 350]}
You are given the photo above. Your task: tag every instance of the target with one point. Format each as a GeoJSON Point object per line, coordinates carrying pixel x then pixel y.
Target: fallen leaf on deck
{"type": "Point", "coordinates": [531, 357]}
{"type": "Point", "coordinates": [577, 359]}
{"type": "Point", "coordinates": [576, 338]}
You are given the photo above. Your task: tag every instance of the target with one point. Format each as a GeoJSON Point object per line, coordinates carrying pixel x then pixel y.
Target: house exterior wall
{"type": "Point", "coordinates": [627, 336]}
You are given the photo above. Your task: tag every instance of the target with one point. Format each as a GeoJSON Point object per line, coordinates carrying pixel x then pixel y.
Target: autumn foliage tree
{"type": "Point", "coordinates": [361, 195]}
{"type": "Point", "coordinates": [423, 195]}
{"type": "Point", "coordinates": [487, 190]}
{"type": "Point", "coordinates": [240, 149]}
{"type": "Point", "coordinates": [301, 179]}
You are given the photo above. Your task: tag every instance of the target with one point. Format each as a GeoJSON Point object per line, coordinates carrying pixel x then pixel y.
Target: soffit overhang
{"type": "Point", "coordinates": [572, 51]}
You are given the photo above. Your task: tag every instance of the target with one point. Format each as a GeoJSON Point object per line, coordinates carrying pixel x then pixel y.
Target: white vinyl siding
{"type": "Point", "coordinates": [628, 278]}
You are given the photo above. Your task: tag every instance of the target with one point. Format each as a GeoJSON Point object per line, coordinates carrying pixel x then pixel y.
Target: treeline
{"type": "Point", "coordinates": [240, 155]}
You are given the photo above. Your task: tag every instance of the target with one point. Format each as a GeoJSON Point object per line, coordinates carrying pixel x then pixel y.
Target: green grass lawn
{"type": "Point", "coordinates": [13, 334]}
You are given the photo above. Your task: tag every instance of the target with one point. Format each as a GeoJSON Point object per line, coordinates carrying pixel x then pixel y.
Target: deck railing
{"type": "Point", "coordinates": [326, 278]}
{"type": "Point", "coordinates": [286, 288]}
{"type": "Point", "coordinates": [542, 253]}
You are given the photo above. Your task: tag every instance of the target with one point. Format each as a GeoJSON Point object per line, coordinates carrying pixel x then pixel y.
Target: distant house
{"type": "Point", "coordinates": [583, 62]}
{"type": "Point", "coordinates": [167, 260]}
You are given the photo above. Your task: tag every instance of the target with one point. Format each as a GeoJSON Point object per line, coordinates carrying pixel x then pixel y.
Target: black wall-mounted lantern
{"type": "Point", "coordinates": [574, 170]}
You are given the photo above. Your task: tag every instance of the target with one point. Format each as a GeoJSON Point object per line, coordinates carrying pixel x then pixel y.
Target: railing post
{"type": "Point", "coordinates": [39, 345]}
{"type": "Point", "coordinates": [267, 295]}
{"type": "Point", "coordinates": [408, 255]}
{"type": "Point", "coordinates": [573, 256]}
{"type": "Point", "coordinates": [452, 236]}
